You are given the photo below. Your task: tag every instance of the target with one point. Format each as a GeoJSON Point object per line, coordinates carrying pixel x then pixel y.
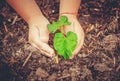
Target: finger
{"type": "Point", "coordinates": [80, 35]}
{"type": "Point", "coordinates": [79, 46]}
{"type": "Point", "coordinates": [44, 48]}
{"type": "Point", "coordinates": [75, 52]}
{"type": "Point", "coordinates": [40, 50]}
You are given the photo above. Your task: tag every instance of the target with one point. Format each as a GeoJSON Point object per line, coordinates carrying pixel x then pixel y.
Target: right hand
{"type": "Point", "coordinates": [39, 34]}
{"type": "Point", "coordinates": [76, 28]}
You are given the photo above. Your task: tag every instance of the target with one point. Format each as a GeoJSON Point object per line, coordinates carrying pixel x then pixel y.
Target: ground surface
{"type": "Point", "coordinates": [99, 59]}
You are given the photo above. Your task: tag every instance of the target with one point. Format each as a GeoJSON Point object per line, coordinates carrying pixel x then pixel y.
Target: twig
{"type": "Point", "coordinates": [83, 55]}
{"type": "Point", "coordinates": [14, 20]}
{"type": "Point", "coordinates": [86, 15]}
{"type": "Point", "coordinates": [106, 56]}
{"type": "Point", "coordinates": [20, 39]}
{"type": "Point", "coordinates": [117, 69]}
{"type": "Point", "coordinates": [55, 58]}
{"type": "Point", "coordinates": [26, 60]}
{"type": "Point", "coordinates": [5, 27]}
{"type": "Point", "coordinates": [114, 60]}
{"type": "Point", "coordinates": [68, 75]}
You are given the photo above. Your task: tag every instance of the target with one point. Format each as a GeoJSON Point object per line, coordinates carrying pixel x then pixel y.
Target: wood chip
{"type": "Point", "coordinates": [102, 67]}
{"type": "Point", "coordinates": [52, 77]}
{"type": "Point", "coordinates": [41, 73]}
{"type": "Point", "coordinates": [90, 28]}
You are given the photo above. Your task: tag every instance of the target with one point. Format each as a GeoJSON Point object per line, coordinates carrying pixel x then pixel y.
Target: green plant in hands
{"type": "Point", "coordinates": [63, 44]}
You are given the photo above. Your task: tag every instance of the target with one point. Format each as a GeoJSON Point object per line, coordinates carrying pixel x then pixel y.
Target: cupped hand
{"type": "Point", "coordinates": [39, 34]}
{"type": "Point", "coordinates": [76, 28]}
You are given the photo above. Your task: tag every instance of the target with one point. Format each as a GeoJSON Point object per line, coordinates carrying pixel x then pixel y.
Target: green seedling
{"type": "Point", "coordinates": [63, 44]}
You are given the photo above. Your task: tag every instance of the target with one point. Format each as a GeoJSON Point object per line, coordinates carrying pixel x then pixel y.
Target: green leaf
{"type": "Point", "coordinates": [65, 45]}
{"type": "Point", "coordinates": [67, 23]}
{"type": "Point", "coordinates": [63, 18]}
{"type": "Point", "coordinates": [53, 27]}
{"type": "Point", "coordinates": [63, 21]}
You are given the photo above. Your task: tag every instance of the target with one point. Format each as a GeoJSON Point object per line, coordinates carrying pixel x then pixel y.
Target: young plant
{"type": "Point", "coordinates": [63, 44]}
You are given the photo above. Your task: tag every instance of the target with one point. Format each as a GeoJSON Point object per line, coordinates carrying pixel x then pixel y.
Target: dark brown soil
{"type": "Point", "coordinates": [99, 59]}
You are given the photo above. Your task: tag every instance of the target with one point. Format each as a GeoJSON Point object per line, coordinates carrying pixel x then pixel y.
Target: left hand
{"type": "Point", "coordinates": [39, 34]}
{"type": "Point", "coordinates": [76, 28]}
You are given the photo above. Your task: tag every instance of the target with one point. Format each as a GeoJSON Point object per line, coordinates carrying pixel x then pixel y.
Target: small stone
{"type": "Point", "coordinates": [9, 20]}
{"type": "Point", "coordinates": [53, 11]}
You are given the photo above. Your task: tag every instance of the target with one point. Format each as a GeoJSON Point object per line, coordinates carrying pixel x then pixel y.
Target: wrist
{"type": "Point", "coordinates": [68, 14]}
{"type": "Point", "coordinates": [34, 17]}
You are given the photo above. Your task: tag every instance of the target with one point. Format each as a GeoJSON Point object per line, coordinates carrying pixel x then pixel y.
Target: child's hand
{"type": "Point", "coordinates": [39, 34]}
{"type": "Point", "coordinates": [75, 27]}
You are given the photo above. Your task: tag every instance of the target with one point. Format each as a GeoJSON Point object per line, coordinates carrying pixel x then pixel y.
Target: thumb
{"type": "Point", "coordinates": [80, 44]}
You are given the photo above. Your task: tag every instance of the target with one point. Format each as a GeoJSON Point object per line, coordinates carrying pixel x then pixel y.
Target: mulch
{"type": "Point", "coordinates": [98, 60]}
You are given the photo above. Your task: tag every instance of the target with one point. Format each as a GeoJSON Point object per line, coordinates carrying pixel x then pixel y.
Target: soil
{"type": "Point", "coordinates": [98, 60]}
